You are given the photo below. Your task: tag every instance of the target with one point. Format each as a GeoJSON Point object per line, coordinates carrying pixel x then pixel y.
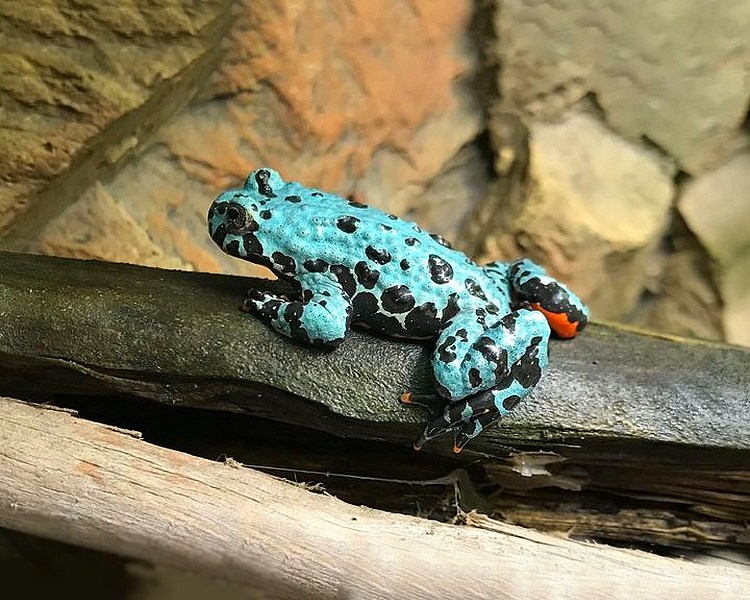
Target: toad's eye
{"type": "Point", "coordinates": [236, 216]}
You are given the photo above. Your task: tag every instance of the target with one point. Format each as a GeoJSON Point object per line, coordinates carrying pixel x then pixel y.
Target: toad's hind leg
{"type": "Point", "coordinates": [496, 371]}
{"type": "Point", "coordinates": [470, 416]}
{"type": "Point", "coordinates": [534, 288]}
{"type": "Point", "coordinates": [470, 358]}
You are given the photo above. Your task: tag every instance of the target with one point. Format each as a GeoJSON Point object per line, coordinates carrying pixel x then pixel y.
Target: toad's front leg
{"type": "Point", "coordinates": [322, 317]}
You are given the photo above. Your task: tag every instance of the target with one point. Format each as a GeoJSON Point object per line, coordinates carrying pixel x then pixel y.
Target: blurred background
{"type": "Point", "coordinates": [606, 139]}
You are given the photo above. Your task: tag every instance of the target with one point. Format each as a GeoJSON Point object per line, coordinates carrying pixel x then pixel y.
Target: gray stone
{"type": "Point", "coordinates": [596, 208]}
{"type": "Point", "coordinates": [673, 71]}
{"type": "Point", "coordinates": [716, 207]}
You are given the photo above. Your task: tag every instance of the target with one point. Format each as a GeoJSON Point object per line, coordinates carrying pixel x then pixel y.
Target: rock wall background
{"type": "Point", "coordinates": [608, 139]}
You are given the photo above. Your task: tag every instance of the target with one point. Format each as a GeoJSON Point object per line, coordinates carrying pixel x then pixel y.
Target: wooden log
{"type": "Point", "coordinates": [622, 424]}
{"type": "Point", "coordinates": [87, 484]}
{"type": "Point", "coordinates": [93, 326]}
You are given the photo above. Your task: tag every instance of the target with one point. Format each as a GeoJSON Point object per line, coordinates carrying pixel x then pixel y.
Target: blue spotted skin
{"type": "Point", "coordinates": [356, 265]}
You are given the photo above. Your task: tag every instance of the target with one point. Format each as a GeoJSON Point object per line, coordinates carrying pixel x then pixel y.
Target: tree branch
{"type": "Point", "coordinates": [138, 329]}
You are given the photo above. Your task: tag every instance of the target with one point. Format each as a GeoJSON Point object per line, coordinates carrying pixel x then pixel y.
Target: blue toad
{"type": "Point", "coordinates": [356, 265]}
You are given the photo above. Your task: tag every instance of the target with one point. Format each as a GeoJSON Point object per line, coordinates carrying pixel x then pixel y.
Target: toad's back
{"type": "Point", "coordinates": [402, 280]}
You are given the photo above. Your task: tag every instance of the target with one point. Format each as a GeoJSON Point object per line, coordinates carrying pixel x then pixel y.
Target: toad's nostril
{"type": "Point", "coordinates": [233, 213]}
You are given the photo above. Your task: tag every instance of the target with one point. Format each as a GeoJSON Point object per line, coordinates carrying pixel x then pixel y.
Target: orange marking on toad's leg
{"type": "Point", "coordinates": [406, 398]}
{"type": "Point", "coordinates": [559, 322]}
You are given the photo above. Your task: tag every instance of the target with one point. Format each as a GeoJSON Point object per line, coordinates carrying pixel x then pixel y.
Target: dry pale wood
{"type": "Point", "coordinates": [84, 483]}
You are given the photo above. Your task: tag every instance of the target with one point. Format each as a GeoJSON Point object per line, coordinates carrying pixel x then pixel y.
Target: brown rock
{"type": "Point", "coordinates": [81, 78]}
{"type": "Point", "coordinates": [682, 300]}
{"type": "Point", "coordinates": [97, 227]}
{"type": "Point", "coordinates": [596, 208]}
{"type": "Point", "coordinates": [329, 94]}
{"type": "Point", "coordinates": [170, 208]}
{"type": "Point", "coordinates": [445, 204]}
{"type": "Point", "coordinates": [338, 82]}
{"type": "Point", "coordinates": [335, 96]}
